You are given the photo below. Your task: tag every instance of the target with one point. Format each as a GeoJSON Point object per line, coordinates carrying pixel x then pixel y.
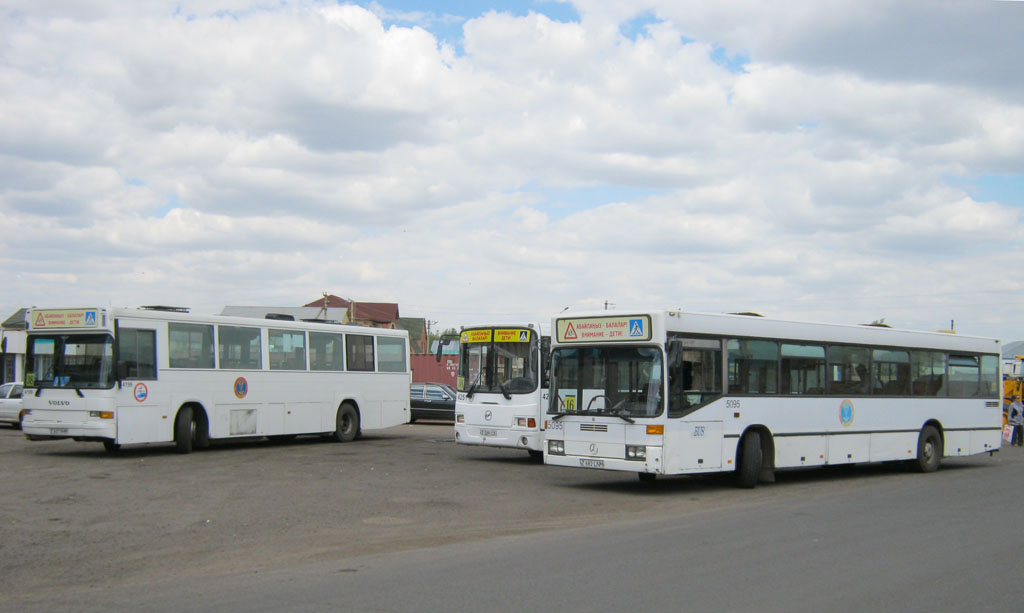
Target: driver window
{"type": "Point", "coordinates": [694, 374]}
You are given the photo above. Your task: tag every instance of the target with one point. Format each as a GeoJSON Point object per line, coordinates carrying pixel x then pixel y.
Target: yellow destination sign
{"type": "Point", "coordinates": [63, 318]}
{"type": "Point", "coordinates": [517, 335]}
{"type": "Point", "coordinates": [476, 336]}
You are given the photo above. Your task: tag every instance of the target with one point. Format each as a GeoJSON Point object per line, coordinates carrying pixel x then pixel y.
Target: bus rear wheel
{"type": "Point", "coordinates": [748, 468]}
{"type": "Point", "coordinates": [929, 450]}
{"type": "Point", "coordinates": [347, 424]}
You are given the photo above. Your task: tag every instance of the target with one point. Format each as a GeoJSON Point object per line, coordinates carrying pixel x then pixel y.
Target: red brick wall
{"type": "Point", "coordinates": [427, 368]}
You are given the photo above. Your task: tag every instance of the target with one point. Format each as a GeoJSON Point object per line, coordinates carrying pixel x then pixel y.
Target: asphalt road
{"type": "Point", "coordinates": [408, 521]}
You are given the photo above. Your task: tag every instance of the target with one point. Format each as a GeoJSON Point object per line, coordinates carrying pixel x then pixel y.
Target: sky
{"type": "Point", "coordinates": [481, 161]}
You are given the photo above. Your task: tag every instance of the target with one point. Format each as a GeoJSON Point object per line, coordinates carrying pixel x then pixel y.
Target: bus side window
{"type": "Point", "coordinates": [137, 353]}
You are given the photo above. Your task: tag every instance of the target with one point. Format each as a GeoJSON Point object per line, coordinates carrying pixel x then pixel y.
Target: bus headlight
{"type": "Point", "coordinates": [102, 414]}
{"type": "Point", "coordinates": [556, 447]}
{"type": "Point", "coordinates": [526, 422]}
{"type": "Point", "coordinates": [636, 452]}
{"type": "Point", "coordinates": [460, 418]}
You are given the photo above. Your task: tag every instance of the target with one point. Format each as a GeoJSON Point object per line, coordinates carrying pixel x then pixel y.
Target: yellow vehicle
{"type": "Point", "coordinates": [1013, 382]}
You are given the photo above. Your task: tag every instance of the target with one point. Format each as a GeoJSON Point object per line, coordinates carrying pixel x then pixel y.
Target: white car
{"type": "Point", "coordinates": [10, 403]}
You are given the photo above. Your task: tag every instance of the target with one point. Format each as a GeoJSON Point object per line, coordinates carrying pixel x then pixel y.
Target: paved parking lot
{"type": "Point", "coordinates": [75, 518]}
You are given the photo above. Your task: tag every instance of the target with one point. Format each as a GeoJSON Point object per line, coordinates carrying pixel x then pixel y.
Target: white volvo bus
{"type": "Point", "coordinates": [153, 375]}
{"type": "Point", "coordinates": [670, 393]}
{"type": "Point", "coordinates": [502, 386]}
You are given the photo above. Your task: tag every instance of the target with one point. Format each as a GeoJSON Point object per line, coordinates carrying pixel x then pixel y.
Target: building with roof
{"type": "Point", "coordinates": [12, 347]}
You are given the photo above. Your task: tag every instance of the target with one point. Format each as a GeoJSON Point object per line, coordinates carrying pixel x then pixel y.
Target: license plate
{"type": "Point", "coordinates": [588, 463]}
{"type": "Point", "coordinates": [58, 430]}
{"type": "Point", "coordinates": [488, 433]}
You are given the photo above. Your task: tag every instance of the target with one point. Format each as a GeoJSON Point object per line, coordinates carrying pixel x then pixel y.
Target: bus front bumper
{"type": "Point", "coordinates": [651, 465]}
{"type": "Point", "coordinates": [77, 425]}
{"type": "Point", "coordinates": [499, 437]}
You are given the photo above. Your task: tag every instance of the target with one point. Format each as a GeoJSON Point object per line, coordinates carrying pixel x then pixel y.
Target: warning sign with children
{"type": "Point", "coordinates": [616, 328]}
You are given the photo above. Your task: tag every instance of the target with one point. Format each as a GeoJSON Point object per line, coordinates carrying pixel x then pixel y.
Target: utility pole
{"type": "Point", "coordinates": [608, 304]}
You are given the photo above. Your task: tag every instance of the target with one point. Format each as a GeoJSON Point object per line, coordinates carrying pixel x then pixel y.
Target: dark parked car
{"type": "Point", "coordinates": [432, 401]}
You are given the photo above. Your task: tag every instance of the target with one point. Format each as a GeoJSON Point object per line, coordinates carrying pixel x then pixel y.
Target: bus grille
{"type": "Point", "coordinates": [593, 427]}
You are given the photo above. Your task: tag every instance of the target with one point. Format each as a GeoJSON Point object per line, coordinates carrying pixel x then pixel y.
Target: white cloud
{"type": "Point", "coordinates": [264, 152]}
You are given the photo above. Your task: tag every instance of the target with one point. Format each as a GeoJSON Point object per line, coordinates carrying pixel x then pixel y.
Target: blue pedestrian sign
{"type": "Point", "coordinates": [636, 327]}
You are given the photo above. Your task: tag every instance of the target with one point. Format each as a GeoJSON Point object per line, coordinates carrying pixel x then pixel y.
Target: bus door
{"type": "Point", "coordinates": [693, 428]}
{"type": "Point", "coordinates": [138, 402]}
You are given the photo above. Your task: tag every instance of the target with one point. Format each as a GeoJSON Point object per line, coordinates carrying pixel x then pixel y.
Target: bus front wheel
{"type": "Point", "coordinates": [183, 430]}
{"type": "Point", "coordinates": [929, 450]}
{"type": "Point", "coordinates": [748, 469]}
{"type": "Point", "coordinates": [347, 424]}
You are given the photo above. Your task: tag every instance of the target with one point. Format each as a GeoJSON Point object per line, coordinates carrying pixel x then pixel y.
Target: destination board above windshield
{"type": "Point", "coordinates": [597, 329]}
{"type": "Point", "coordinates": [63, 318]}
{"type": "Point", "coordinates": [498, 335]}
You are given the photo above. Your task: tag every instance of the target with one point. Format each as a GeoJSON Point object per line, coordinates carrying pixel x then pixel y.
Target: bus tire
{"type": "Point", "coordinates": [201, 429]}
{"type": "Point", "coordinates": [929, 450]}
{"type": "Point", "coordinates": [111, 447]}
{"type": "Point", "coordinates": [346, 424]}
{"type": "Point", "coordinates": [183, 429]}
{"type": "Point", "coordinates": [536, 454]}
{"type": "Point", "coordinates": [748, 468]}
{"type": "Point", "coordinates": [647, 477]}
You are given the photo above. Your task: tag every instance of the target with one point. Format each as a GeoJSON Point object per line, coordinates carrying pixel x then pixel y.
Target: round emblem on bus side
{"type": "Point", "coordinates": [141, 392]}
{"type": "Point", "coordinates": [846, 413]}
{"type": "Point", "coordinates": [241, 387]}
{"type": "Point", "coordinates": [487, 415]}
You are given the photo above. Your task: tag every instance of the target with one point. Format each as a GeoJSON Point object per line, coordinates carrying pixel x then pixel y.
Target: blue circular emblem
{"type": "Point", "coordinates": [846, 413]}
{"type": "Point", "coordinates": [141, 392]}
{"type": "Point", "coordinates": [241, 387]}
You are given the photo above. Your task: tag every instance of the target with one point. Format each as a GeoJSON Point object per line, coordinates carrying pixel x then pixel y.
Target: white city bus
{"type": "Point", "coordinates": [670, 393]}
{"type": "Point", "coordinates": [152, 375]}
{"type": "Point", "coordinates": [502, 386]}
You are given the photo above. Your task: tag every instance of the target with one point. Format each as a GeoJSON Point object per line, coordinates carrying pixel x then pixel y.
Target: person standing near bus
{"type": "Point", "coordinates": [1017, 421]}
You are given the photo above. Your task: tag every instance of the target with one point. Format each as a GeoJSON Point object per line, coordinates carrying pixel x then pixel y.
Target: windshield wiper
{"type": "Point", "coordinates": [619, 414]}
{"type": "Point", "coordinates": [472, 388]}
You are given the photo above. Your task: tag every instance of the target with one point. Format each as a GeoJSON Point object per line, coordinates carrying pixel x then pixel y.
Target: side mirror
{"type": "Point", "coordinates": [442, 342]}
{"type": "Point", "coordinates": [675, 353]}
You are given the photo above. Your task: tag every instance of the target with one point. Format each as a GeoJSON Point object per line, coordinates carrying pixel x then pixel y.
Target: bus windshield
{"type": "Point", "coordinates": [610, 380]}
{"type": "Point", "coordinates": [70, 361]}
{"type": "Point", "coordinates": [491, 364]}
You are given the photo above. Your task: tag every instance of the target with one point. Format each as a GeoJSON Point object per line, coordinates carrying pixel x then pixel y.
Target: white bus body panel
{"type": "Point", "coordinates": [707, 441]}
